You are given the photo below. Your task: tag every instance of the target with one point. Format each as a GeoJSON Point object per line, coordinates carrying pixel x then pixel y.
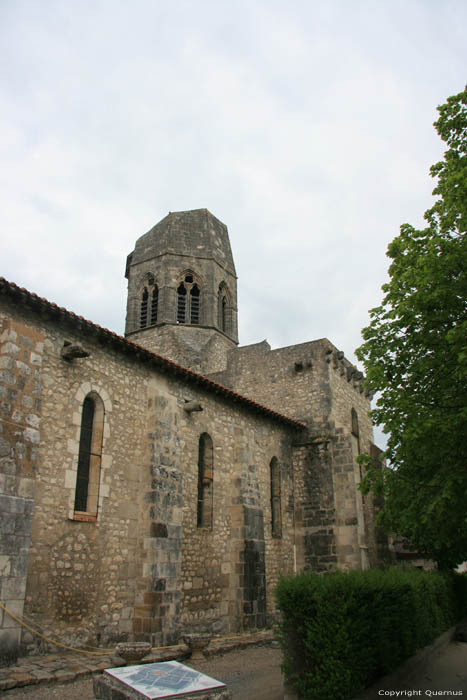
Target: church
{"type": "Point", "coordinates": [160, 483]}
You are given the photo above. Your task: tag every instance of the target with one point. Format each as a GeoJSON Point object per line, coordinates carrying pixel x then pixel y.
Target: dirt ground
{"type": "Point", "coordinates": [254, 674]}
{"type": "Point", "coordinates": [251, 674]}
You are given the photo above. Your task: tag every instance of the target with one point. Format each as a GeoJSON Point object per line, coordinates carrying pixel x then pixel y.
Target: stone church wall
{"type": "Point", "coordinates": [142, 567]}
{"type": "Point", "coordinates": [194, 347]}
{"type": "Point", "coordinates": [21, 351]}
{"type": "Point", "coordinates": [293, 379]}
{"type": "Point", "coordinates": [315, 384]}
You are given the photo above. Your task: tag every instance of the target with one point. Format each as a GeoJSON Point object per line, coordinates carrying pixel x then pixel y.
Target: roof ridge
{"type": "Point", "coordinates": [139, 349]}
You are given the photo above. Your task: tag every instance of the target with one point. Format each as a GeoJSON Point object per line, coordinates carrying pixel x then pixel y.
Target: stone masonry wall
{"type": "Point", "coordinates": [229, 571]}
{"type": "Point", "coordinates": [194, 347]}
{"type": "Point", "coordinates": [21, 350]}
{"type": "Point", "coordinates": [314, 383]}
{"type": "Point", "coordinates": [168, 271]}
{"type": "Point", "coordinates": [83, 570]}
{"type": "Point", "coordinates": [315, 510]}
{"type": "Point", "coordinates": [157, 614]}
{"type": "Point", "coordinates": [291, 380]}
{"type": "Point", "coordinates": [141, 567]}
{"type": "Point", "coordinates": [355, 522]}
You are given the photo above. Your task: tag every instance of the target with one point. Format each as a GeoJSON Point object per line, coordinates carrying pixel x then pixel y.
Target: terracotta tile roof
{"type": "Point", "coordinates": [55, 312]}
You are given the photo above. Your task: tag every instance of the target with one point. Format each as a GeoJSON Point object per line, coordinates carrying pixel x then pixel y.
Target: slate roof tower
{"type": "Point", "coordinates": [182, 291]}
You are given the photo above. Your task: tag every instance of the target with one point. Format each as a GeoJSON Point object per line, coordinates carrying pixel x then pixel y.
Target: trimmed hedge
{"type": "Point", "coordinates": [342, 631]}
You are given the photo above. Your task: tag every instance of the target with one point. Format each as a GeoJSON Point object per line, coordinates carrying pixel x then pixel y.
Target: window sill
{"type": "Point", "coordinates": [84, 517]}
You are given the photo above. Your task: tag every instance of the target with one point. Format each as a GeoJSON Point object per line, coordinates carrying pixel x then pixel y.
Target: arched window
{"type": "Point", "coordinates": [89, 456]}
{"type": "Point", "coordinates": [154, 302]}
{"type": "Point", "coordinates": [354, 419]}
{"type": "Point", "coordinates": [194, 304]}
{"type": "Point", "coordinates": [205, 482]}
{"type": "Point", "coordinates": [188, 301]}
{"type": "Point", "coordinates": [276, 514]}
{"type": "Point", "coordinates": [143, 315]}
{"type": "Point", "coordinates": [181, 303]}
{"type": "Point", "coordinates": [149, 301]}
{"type": "Point", "coordinates": [224, 311]}
{"type": "Point", "coordinates": [355, 430]}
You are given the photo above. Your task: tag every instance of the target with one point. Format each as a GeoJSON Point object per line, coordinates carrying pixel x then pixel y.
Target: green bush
{"type": "Point", "coordinates": [341, 631]}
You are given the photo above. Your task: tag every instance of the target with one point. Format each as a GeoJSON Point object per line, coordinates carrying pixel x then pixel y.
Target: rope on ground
{"type": "Point", "coordinates": [102, 652]}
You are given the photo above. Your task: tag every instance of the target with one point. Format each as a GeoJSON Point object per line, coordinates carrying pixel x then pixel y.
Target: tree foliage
{"type": "Point", "coordinates": [415, 357]}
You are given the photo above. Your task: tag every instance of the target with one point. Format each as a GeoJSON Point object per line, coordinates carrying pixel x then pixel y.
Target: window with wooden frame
{"type": "Point", "coordinates": [205, 482]}
{"type": "Point", "coordinates": [276, 513]}
{"type": "Point", "coordinates": [90, 455]}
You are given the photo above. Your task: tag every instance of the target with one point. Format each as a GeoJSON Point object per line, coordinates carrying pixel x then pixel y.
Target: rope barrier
{"type": "Point", "coordinates": [100, 652]}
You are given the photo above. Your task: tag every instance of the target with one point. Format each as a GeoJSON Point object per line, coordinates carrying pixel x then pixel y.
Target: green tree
{"type": "Point", "coordinates": [415, 357]}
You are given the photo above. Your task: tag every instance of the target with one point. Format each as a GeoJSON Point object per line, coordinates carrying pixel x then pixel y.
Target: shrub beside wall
{"type": "Point", "coordinates": [342, 631]}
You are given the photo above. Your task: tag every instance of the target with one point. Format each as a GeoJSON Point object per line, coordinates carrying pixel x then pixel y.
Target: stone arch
{"type": "Point", "coordinates": [89, 455]}
{"type": "Point", "coordinates": [148, 300]}
{"type": "Point", "coordinates": [99, 462]}
{"type": "Point", "coordinates": [189, 297]}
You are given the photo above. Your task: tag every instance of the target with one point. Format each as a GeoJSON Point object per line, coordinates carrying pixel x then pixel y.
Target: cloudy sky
{"type": "Point", "coordinates": [305, 126]}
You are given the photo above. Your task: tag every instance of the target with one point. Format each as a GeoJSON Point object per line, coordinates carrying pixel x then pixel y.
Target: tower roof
{"type": "Point", "coordinates": [196, 233]}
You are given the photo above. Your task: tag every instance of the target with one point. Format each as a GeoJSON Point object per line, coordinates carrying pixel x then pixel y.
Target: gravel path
{"type": "Point", "coordinates": [251, 674]}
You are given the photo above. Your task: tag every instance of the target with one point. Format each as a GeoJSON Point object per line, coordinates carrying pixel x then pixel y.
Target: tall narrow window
{"type": "Point", "coordinates": [90, 453]}
{"type": "Point", "coordinates": [224, 314]}
{"type": "Point", "coordinates": [181, 303]}
{"type": "Point", "coordinates": [154, 302]}
{"type": "Point", "coordinates": [355, 437]}
{"type": "Point", "coordinates": [355, 426]}
{"type": "Point", "coordinates": [194, 304]}
{"type": "Point", "coordinates": [205, 482]}
{"type": "Point", "coordinates": [143, 317]}
{"type": "Point", "coordinates": [224, 309]}
{"type": "Point", "coordinates": [276, 515]}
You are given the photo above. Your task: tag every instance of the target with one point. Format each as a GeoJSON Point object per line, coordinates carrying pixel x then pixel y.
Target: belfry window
{"type": "Point", "coordinates": [194, 304]}
{"type": "Point", "coordinates": [275, 481]}
{"type": "Point", "coordinates": [181, 303]}
{"type": "Point", "coordinates": [188, 301]}
{"type": "Point", "coordinates": [224, 311]}
{"type": "Point", "coordinates": [148, 307]}
{"type": "Point", "coordinates": [154, 302]}
{"type": "Point", "coordinates": [205, 482]}
{"type": "Point", "coordinates": [89, 456]}
{"type": "Point", "coordinates": [143, 316]}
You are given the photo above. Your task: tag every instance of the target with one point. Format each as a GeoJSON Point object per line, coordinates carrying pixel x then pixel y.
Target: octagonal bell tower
{"type": "Point", "coordinates": [182, 291]}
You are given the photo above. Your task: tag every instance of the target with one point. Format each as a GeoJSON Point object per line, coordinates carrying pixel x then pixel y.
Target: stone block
{"type": "Point", "coordinates": [14, 588]}
{"type": "Point", "coordinates": [9, 646]}
{"type": "Point", "coordinates": [26, 488]}
{"type": "Point", "coordinates": [174, 679]}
